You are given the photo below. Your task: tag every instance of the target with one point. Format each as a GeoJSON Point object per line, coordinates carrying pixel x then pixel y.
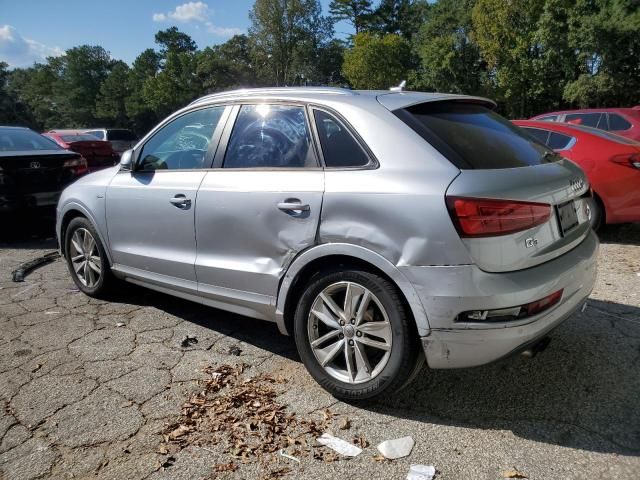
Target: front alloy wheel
{"type": "Point", "coordinates": [85, 258]}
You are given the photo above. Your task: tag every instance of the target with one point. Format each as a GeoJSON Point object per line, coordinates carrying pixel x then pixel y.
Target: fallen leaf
{"type": "Point", "coordinates": [225, 467]}
{"type": "Point", "coordinates": [513, 473]}
{"type": "Point", "coordinates": [345, 424]}
{"type": "Point", "coordinates": [179, 432]}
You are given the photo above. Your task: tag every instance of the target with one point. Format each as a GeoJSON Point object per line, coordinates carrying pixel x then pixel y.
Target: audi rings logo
{"type": "Point", "coordinates": [577, 185]}
{"type": "Point", "coordinates": [34, 165]}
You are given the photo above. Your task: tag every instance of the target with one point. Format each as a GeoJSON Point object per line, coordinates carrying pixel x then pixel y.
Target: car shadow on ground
{"type": "Point", "coordinates": [582, 392]}
{"type": "Point", "coordinates": [29, 230]}
{"type": "Point", "coordinates": [626, 234]}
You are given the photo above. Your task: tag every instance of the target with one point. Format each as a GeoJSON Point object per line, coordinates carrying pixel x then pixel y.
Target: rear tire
{"type": "Point", "coordinates": [356, 349]}
{"type": "Point", "coordinates": [597, 213]}
{"type": "Point", "coordinates": [86, 259]}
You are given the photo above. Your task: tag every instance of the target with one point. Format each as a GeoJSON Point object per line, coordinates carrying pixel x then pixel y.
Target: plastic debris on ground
{"type": "Point", "coordinates": [188, 340]}
{"type": "Point", "coordinates": [338, 445]}
{"type": "Point", "coordinates": [284, 454]}
{"type": "Point", "coordinates": [398, 448]}
{"type": "Point", "coordinates": [421, 472]}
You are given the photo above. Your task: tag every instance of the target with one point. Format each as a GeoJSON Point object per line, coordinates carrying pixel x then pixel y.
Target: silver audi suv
{"type": "Point", "coordinates": [378, 228]}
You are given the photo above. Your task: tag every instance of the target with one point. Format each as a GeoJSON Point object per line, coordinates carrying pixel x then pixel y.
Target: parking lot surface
{"type": "Point", "coordinates": [150, 386]}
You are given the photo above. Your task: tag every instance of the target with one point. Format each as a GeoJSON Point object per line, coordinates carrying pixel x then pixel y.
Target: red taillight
{"type": "Point", "coordinates": [479, 217]}
{"type": "Point", "coordinates": [543, 304]}
{"type": "Point", "coordinates": [77, 165]}
{"type": "Point", "coordinates": [632, 161]}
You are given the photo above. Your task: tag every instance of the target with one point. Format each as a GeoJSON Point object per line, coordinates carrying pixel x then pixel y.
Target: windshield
{"type": "Point", "coordinates": [472, 136]}
{"type": "Point", "coordinates": [80, 137]}
{"type": "Point", "coordinates": [18, 139]}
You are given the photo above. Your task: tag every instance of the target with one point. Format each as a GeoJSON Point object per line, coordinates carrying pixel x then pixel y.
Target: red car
{"type": "Point", "coordinates": [621, 121]}
{"type": "Point", "coordinates": [98, 153]}
{"type": "Point", "coordinates": [611, 162]}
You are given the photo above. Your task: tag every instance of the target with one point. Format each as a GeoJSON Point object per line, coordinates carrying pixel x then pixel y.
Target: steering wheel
{"type": "Point", "coordinates": [186, 159]}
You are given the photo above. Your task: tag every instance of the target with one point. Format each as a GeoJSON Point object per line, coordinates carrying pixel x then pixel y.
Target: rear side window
{"type": "Point", "coordinates": [472, 136]}
{"type": "Point", "coordinates": [121, 135]}
{"type": "Point", "coordinates": [339, 148]}
{"type": "Point", "coordinates": [558, 141]}
{"type": "Point", "coordinates": [593, 120]}
{"type": "Point", "coordinates": [618, 123]}
{"type": "Point", "coordinates": [270, 136]}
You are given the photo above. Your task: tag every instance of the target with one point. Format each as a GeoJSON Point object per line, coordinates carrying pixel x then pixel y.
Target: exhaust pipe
{"type": "Point", "coordinates": [537, 347]}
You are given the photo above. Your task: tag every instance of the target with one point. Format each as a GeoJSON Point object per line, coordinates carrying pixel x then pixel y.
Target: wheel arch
{"type": "Point", "coordinates": [323, 256]}
{"type": "Point", "coordinates": [75, 210]}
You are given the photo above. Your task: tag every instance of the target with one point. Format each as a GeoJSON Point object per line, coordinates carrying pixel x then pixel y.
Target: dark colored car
{"type": "Point", "coordinates": [611, 162]}
{"type": "Point", "coordinates": [621, 121]}
{"type": "Point", "coordinates": [98, 153]}
{"type": "Point", "coordinates": [34, 169]}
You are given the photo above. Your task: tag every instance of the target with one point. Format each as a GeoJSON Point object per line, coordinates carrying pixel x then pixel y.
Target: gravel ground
{"type": "Point", "coordinates": [90, 388]}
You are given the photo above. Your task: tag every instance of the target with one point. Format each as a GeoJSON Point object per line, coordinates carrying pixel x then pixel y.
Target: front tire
{"type": "Point", "coordinates": [86, 258]}
{"type": "Point", "coordinates": [354, 334]}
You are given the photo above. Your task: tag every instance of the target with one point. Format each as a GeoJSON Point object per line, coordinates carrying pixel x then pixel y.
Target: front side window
{"type": "Point", "coordinates": [270, 136]}
{"type": "Point", "coordinates": [339, 148]}
{"type": "Point", "coordinates": [586, 119]}
{"type": "Point", "coordinates": [183, 143]}
{"type": "Point", "coordinates": [618, 123]}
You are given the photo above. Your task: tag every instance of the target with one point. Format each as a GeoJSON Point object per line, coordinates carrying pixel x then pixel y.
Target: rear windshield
{"type": "Point", "coordinates": [17, 140]}
{"type": "Point", "coordinates": [122, 135]}
{"type": "Point", "coordinates": [80, 137]}
{"type": "Point", "coordinates": [472, 136]}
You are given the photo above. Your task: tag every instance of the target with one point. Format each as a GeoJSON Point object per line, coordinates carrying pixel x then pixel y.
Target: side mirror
{"type": "Point", "coordinates": [126, 161]}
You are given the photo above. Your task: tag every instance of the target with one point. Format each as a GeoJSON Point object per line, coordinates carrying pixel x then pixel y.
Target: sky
{"type": "Point", "coordinates": [31, 30]}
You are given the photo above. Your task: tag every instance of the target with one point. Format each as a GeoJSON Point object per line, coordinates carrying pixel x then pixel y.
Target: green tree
{"type": "Point", "coordinates": [12, 110]}
{"type": "Point", "coordinates": [228, 65]}
{"type": "Point", "coordinates": [355, 12]}
{"type": "Point", "coordinates": [450, 60]}
{"type": "Point", "coordinates": [145, 66]}
{"type": "Point", "coordinates": [79, 74]}
{"type": "Point", "coordinates": [606, 36]}
{"type": "Point", "coordinates": [377, 62]}
{"type": "Point", "coordinates": [403, 17]}
{"type": "Point", "coordinates": [111, 100]}
{"type": "Point", "coordinates": [506, 35]}
{"type": "Point", "coordinates": [33, 87]}
{"type": "Point", "coordinates": [173, 40]}
{"type": "Point", "coordinates": [285, 36]}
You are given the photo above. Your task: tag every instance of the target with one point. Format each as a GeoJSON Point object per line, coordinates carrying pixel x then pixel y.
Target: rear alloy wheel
{"type": "Point", "coordinates": [86, 258]}
{"type": "Point", "coordinates": [354, 335]}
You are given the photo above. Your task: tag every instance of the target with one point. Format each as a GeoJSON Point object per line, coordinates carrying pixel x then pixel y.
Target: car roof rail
{"type": "Point", "coordinates": [276, 90]}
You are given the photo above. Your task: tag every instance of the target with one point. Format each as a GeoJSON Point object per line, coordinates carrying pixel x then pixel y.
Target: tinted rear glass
{"type": "Point", "coordinates": [16, 140]}
{"type": "Point", "coordinates": [472, 136]}
{"type": "Point", "coordinates": [122, 135]}
{"type": "Point", "coordinates": [586, 119]}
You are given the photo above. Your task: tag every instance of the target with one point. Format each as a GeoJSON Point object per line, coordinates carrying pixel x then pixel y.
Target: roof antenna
{"type": "Point", "coordinates": [400, 87]}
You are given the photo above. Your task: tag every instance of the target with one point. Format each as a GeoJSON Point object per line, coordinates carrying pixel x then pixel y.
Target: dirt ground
{"type": "Point", "coordinates": [150, 386]}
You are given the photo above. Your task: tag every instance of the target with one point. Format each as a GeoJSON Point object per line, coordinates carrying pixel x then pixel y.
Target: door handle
{"type": "Point", "coordinates": [292, 204]}
{"type": "Point", "coordinates": [180, 201]}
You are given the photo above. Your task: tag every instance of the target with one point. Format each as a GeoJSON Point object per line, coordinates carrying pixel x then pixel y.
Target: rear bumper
{"type": "Point", "coordinates": [450, 290]}
{"type": "Point", "coordinates": [14, 203]}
